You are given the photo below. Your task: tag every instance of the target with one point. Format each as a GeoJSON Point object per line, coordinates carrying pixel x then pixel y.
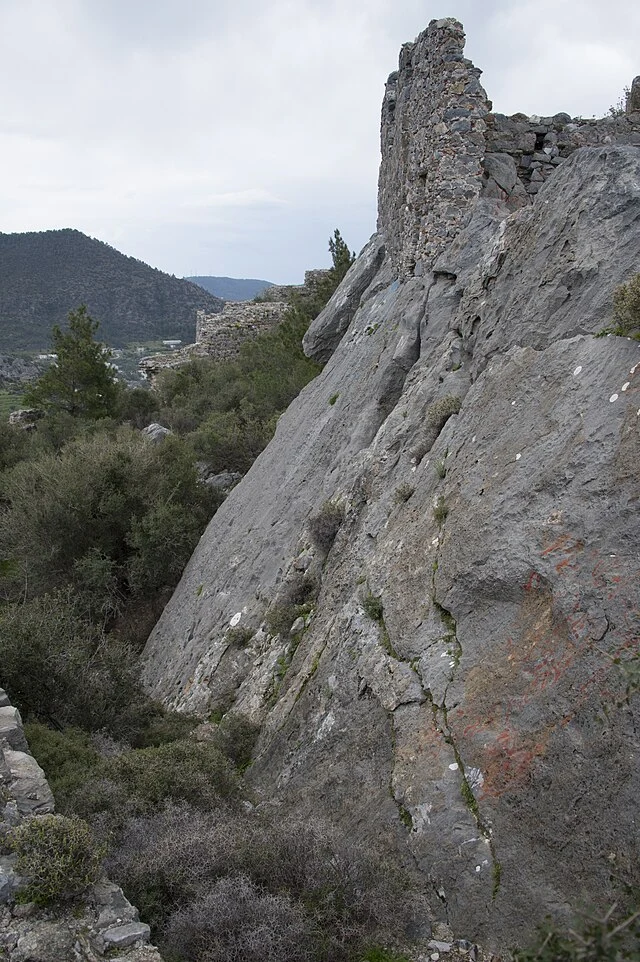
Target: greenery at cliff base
{"type": "Point", "coordinates": [97, 523]}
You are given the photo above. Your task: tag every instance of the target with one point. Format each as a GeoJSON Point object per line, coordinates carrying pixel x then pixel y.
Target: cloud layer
{"type": "Point", "coordinates": [220, 137]}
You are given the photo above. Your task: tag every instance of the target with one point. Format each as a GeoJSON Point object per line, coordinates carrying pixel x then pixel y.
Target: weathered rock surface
{"type": "Point", "coordinates": [326, 330]}
{"type": "Point", "coordinates": [464, 690]}
{"type": "Point", "coordinates": [633, 101]}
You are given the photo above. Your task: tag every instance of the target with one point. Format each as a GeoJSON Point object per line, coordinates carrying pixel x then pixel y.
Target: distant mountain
{"type": "Point", "coordinates": [232, 288]}
{"type": "Point", "coordinates": [45, 275]}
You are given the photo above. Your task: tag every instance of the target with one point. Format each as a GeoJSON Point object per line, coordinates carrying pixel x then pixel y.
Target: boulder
{"type": "Point", "coordinates": [156, 432]}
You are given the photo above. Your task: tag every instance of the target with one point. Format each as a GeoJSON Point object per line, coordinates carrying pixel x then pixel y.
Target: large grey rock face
{"type": "Point", "coordinates": [484, 721]}
{"type": "Point", "coordinates": [326, 331]}
{"type": "Point", "coordinates": [465, 689]}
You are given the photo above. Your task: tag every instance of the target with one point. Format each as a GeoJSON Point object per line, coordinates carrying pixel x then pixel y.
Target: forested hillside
{"type": "Point", "coordinates": [45, 274]}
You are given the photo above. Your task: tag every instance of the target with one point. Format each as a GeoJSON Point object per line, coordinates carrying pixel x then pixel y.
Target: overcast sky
{"type": "Point", "coordinates": [231, 136]}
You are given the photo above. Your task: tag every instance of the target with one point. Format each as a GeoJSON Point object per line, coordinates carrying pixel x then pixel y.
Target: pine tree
{"type": "Point", "coordinates": [80, 381]}
{"type": "Point", "coordinates": [341, 256]}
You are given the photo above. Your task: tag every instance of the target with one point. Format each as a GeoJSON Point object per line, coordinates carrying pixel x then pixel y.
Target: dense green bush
{"type": "Point", "coordinates": [60, 668]}
{"type": "Point", "coordinates": [109, 506]}
{"type": "Point", "coordinates": [13, 443]}
{"type": "Point", "coordinates": [198, 773]}
{"type": "Point", "coordinates": [228, 410]}
{"type": "Point", "coordinates": [626, 308]}
{"type": "Point", "coordinates": [67, 757]}
{"type": "Point", "coordinates": [58, 856]}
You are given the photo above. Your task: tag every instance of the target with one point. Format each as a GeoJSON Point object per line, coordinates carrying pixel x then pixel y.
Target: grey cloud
{"type": "Point", "coordinates": [204, 135]}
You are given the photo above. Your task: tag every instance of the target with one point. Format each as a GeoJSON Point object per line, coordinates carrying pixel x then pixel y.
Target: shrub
{"type": "Point", "coordinates": [373, 607]}
{"type": "Point", "coordinates": [238, 636]}
{"type": "Point", "coordinates": [237, 736]}
{"type": "Point", "coordinates": [59, 668]}
{"type": "Point", "coordinates": [626, 308]}
{"type": "Point", "coordinates": [353, 894]}
{"type": "Point", "coordinates": [440, 511]}
{"type": "Point", "coordinates": [619, 109]}
{"type": "Point", "coordinates": [237, 920]}
{"type": "Point", "coordinates": [612, 938]}
{"type": "Point", "coordinates": [323, 526]}
{"type": "Point", "coordinates": [189, 771]}
{"type": "Point", "coordinates": [280, 617]}
{"type": "Point", "coordinates": [162, 541]}
{"type": "Point", "coordinates": [294, 599]}
{"type": "Point", "coordinates": [58, 856]}
{"type": "Point", "coordinates": [350, 896]}
{"type": "Point", "coordinates": [160, 728]}
{"type": "Point", "coordinates": [13, 442]}
{"type": "Point", "coordinates": [165, 859]}
{"type": "Point", "coordinates": [379, 954]}
{"type": "Point", "coordinates": [436, 416]}
{"type": "Point", "coordinates": [113, 496]}
{"type": "Point", "coordinates": [403, 492]}
{"type": "Point", "coordinates": [67, 757]}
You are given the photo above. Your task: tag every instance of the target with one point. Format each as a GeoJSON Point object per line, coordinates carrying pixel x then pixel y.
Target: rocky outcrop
{"type": "Point", "coordinates": [26, 418]}
{"type": "Point", "coordinates": [454, 500]}
{"type": "Point", "coordinates": [325, 333]}
{"type": "Point", "coordinates": [102, 925]}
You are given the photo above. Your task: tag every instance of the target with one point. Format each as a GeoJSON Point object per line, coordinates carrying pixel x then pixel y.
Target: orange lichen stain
{"type": "Point", "coordinates": [546, 643]}
{"type": "Point", "coordinates": [507, 761]}
{"type": "Point", "coordinates": [566, 544]}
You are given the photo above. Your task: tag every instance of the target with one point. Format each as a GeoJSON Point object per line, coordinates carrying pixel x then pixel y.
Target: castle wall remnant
{"type": "Point", "coordinates": [433, 125]}
{"type": "Point", "coordinates": [220, 336]}
{"type": "Point", "coordinates": [442, 147]}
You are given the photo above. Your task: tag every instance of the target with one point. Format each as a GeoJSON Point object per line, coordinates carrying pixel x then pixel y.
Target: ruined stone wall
{"type": "Point", "coordinates": [523, 152]}
{"type": "Point", "coordinates": [433, 126]}
{"type": "Point", "coordinates": [103, 925]}
{"type": "Point", "coordinates": [220, 336]}
{"type": "Point", "coordinates": [442, 147]}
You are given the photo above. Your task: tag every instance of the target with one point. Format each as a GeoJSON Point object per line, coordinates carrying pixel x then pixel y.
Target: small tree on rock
{"type": "Point", "coordinates": [81, 380]}
{"type": "Point", "coordinates": [341, 256]}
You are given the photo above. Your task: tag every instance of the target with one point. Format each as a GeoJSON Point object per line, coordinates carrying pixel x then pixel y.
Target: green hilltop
{"type": "Point", "coordinates": [44, 275]}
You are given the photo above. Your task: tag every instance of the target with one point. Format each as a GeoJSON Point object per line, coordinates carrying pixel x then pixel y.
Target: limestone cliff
{"type": "Point", "coordinates": [460, 680]}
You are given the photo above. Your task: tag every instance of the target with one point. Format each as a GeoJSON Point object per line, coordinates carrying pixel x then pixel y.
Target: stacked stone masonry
{"type": "Point", "coordinates": [442, 147]}
{"type": "Point", "coordinates": [220, 336]}
{"type": "Point", "coordinates": [104, 924]}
